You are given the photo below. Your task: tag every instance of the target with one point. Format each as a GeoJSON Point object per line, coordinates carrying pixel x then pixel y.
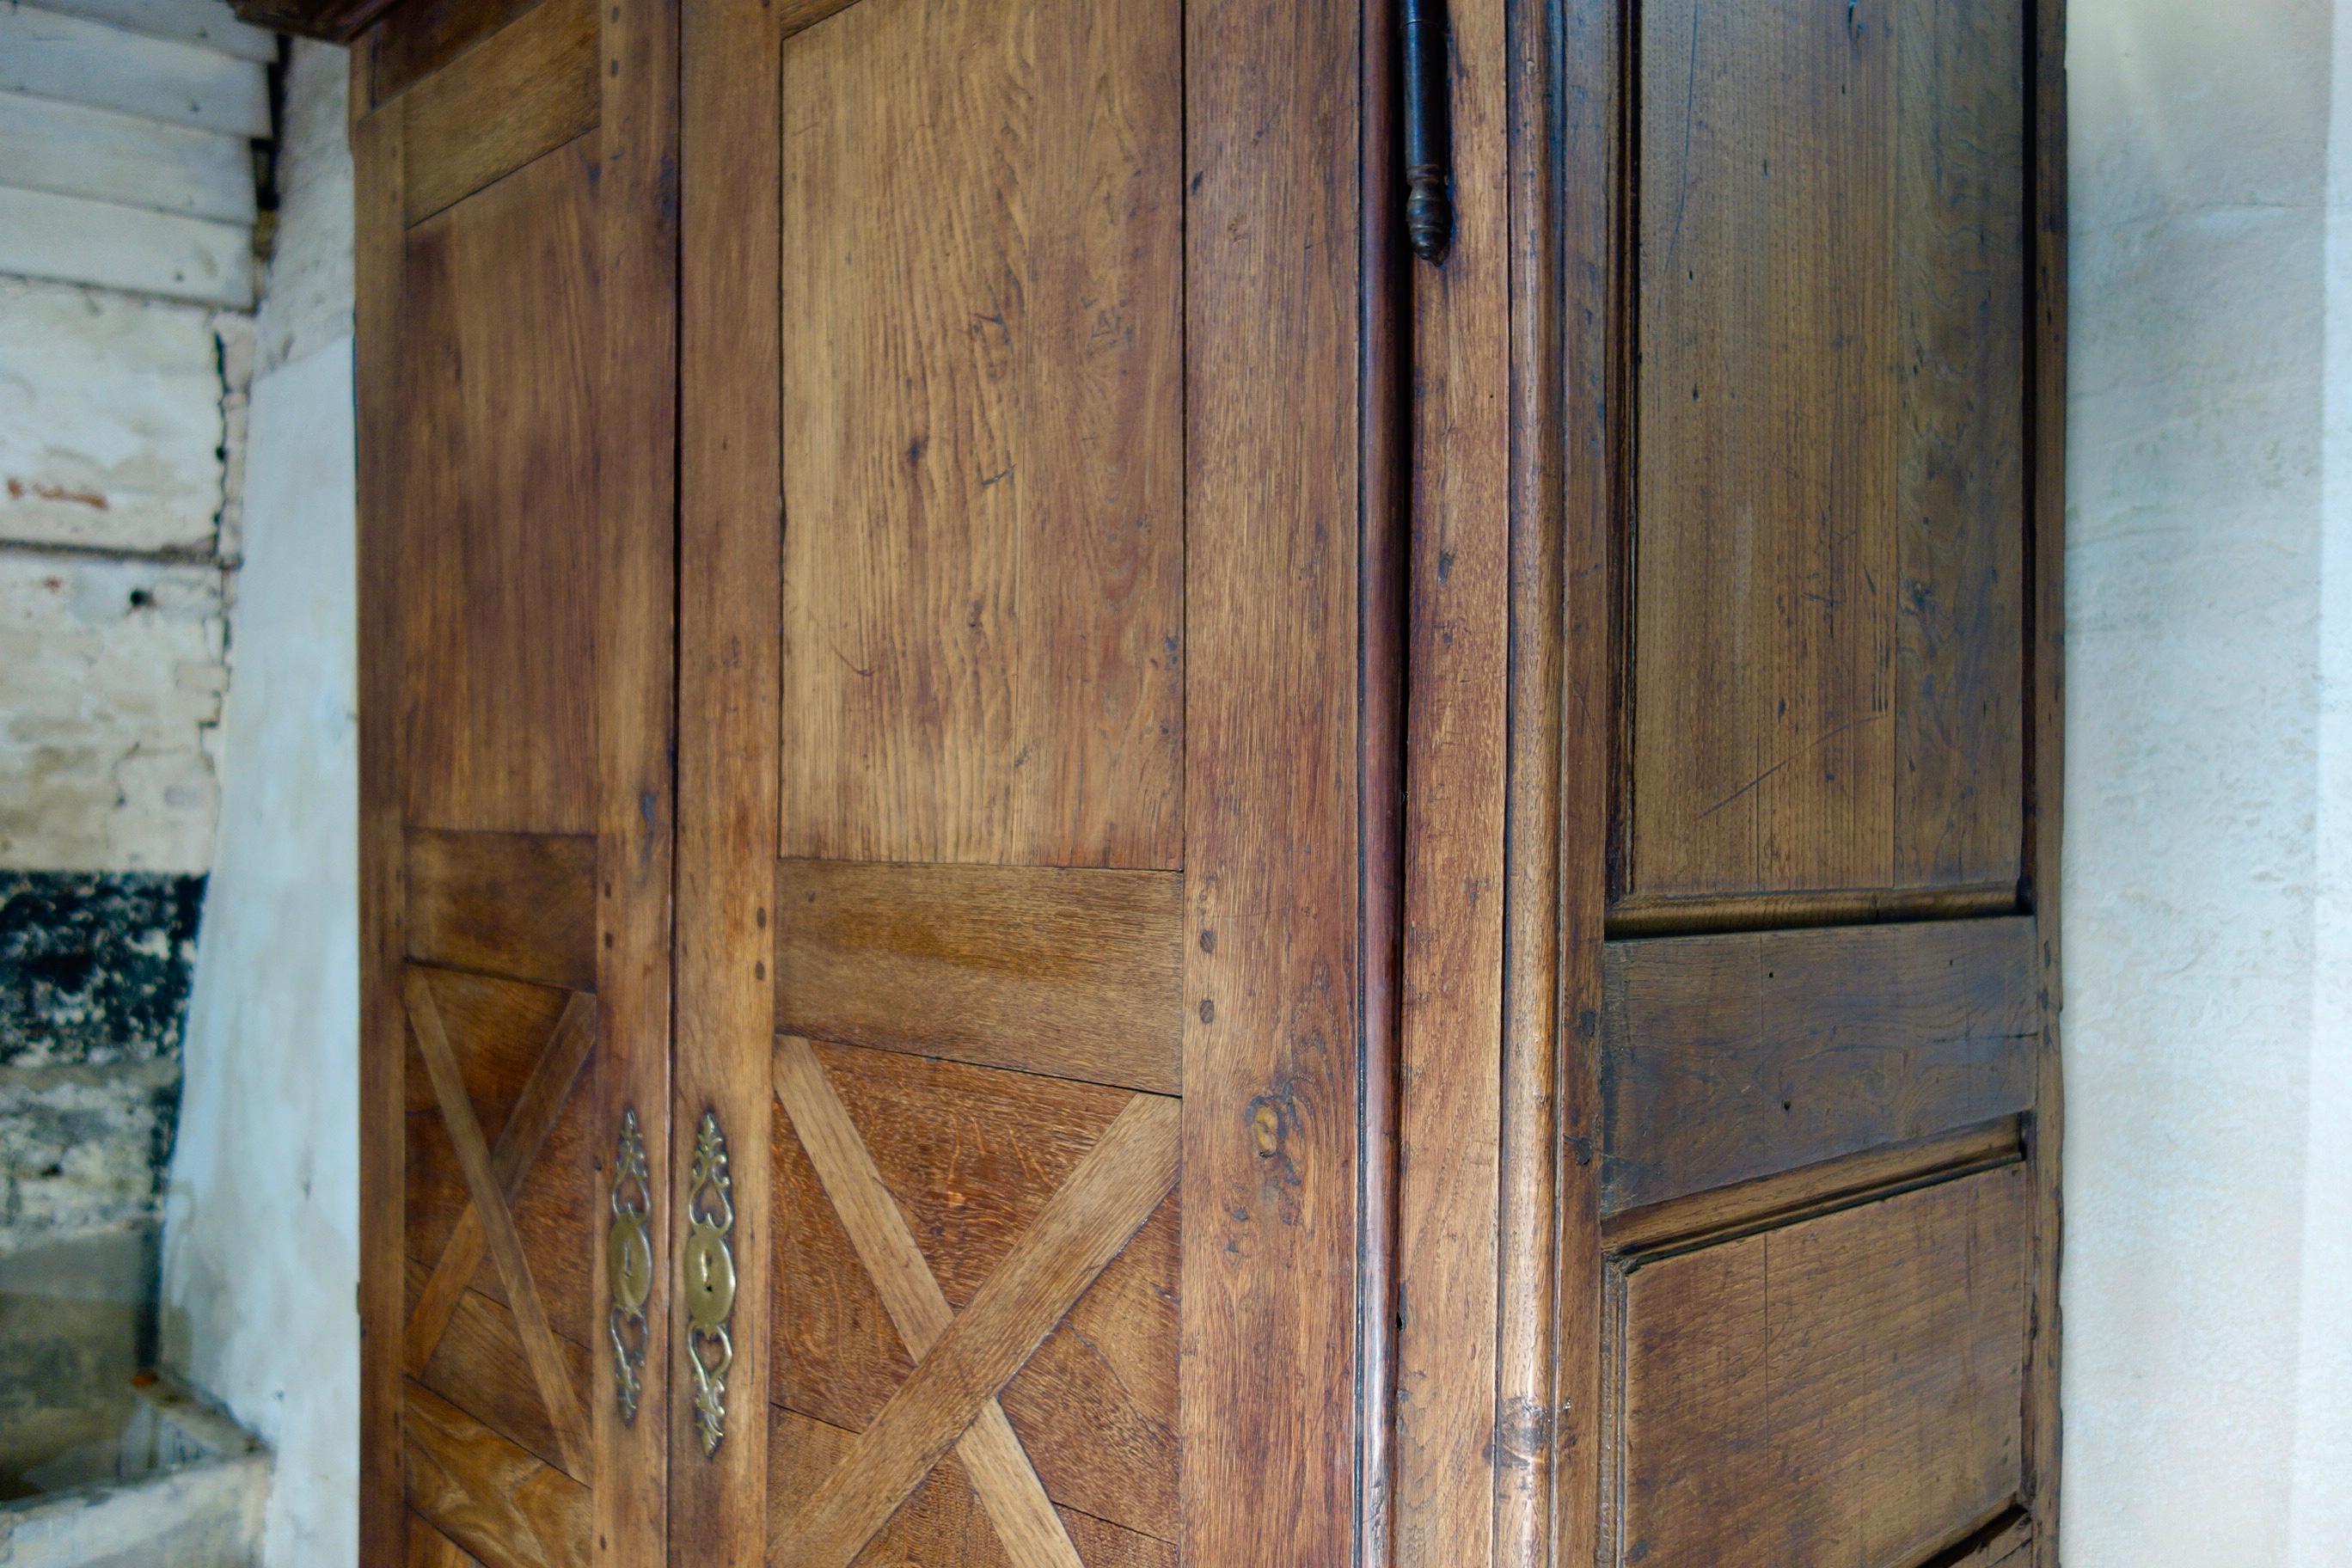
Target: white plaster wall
{"type": "Point", "coordinates": [261, 1260]}
{"type": "Point", "coordinates": [2208, 1292]}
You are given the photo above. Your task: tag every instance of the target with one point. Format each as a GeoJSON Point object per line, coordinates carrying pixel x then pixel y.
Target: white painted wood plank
{"type": "Point", "coordinates": [49, 56]}
{"type": "Point", "coordinates": [43, 235]}
{"type": "Point", "coordinates": [47, 144]}
{"type": "Point", "coordinates": [206, 22]}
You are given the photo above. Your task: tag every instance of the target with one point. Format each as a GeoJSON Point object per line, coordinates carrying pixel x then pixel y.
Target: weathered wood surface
{"type": "Point", "coordinates": [1843, 1390]}
{"type": "Point", "coordinates": [498, 324]}
{"type": "Point", "coordinates": [1729, 1057]}
{"type": "Point", "coordinates": [1828, 564]}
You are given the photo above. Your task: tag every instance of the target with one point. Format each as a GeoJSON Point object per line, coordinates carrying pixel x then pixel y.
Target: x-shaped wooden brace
{"type": "Point", "coordinates": [961, 1362]}
{"type": "Point", "coordinates": [493, 1179]}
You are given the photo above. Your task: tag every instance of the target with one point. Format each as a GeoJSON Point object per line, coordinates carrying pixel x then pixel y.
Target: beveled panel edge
{"type": "Point", "coordinates": [2003, 1538]}
{"type": "Point", "coordinates": [1633, 1237]}
{"type": "Point", "coordinates": [1728, 1058]}
{"type": "Point", "coordinates": [524, 91]}
{"type": "Point", "coordinates": [1634, 915]}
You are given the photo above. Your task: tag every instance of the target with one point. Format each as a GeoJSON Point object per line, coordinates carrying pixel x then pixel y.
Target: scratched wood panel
{"type": "Point", "coordinates": [972, 1155]}
{"type": "Point", "coordinates": [1075, 974]}
{"type": "Point", "coordinates": [1960, 569]}
{"type": "Point", "coordinates": [943, 1522]}
{"type": "Point", "coordinates": [983, 541]}
{"type": "Point", "coordinates": [1844, 1389]}
{"type": "Point", "coordinates": [496, 1030]}
{"type": "Point", "coordinates": [498, 594]}
{"type": "Point", "coordinates": [1729, 1057]}
{"type": "Point", "coordinates": [1827, 687]}
{"type": "Point", "coordinates": [1274, 840]}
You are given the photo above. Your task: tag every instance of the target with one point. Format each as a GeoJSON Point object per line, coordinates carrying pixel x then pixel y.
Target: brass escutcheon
{"type": "Point", "coordinates": [629, 1265]}
{"type": "Point", "coordinates": [709, 1262]}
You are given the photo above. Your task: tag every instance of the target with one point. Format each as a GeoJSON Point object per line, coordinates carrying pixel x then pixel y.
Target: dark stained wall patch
{"type": "Point", "coordinates": [95, 966]}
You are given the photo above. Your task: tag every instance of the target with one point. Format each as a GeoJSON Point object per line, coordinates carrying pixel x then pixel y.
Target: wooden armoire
{"type": "Point", "coordinates": [1253, 783]}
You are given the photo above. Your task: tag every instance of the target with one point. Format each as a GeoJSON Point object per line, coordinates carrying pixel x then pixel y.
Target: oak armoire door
{"type": "Point", "coordinates": [1017, 1096]}
{"type": "Point", "coordinates": [515, 258]}
{"type": "Point", "coordinates": [1808, 1315]}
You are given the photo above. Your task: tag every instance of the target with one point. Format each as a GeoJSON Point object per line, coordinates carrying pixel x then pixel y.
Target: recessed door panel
{"type": "Point", "coordinates": [1827, 548]}
{"type": "Point", "coordinates": [983, 430]}
{"type": "Point", "coordinates": [1847, 1389]}
{"type": "Point", "coordinates": [501, 332]}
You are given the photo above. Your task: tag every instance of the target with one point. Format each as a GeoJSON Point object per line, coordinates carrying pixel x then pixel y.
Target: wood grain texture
{"type": "Point", "coordinates": [983, 441]}
{"type": "Point", "coordinates": [1681, 915]}
{"type": "Point", "coordinates": [971, 1156]}
{"type": "Point", "coordinates": [1027, 1526]}
{"type": "Point", "coordinates": [498, 608]}
{"type": "Point", "coordinates": [519, 1137]}
{"type": "Point", "coordinates": [418, 38]}
{"type": "Point", "coordinates": [1827, 566]}
{"type": "Point", "coordinates": [1073, 974]}
{"type": "Point", "coordinates": [1109, 1194]}
{"type": "Point", "coordinates": [636, 542]}
{"type": "Point", "coordinates": [1846, 1390]}
{"type": "Point", "coordinates": [527, 89]}
{"type": "Point", "coordinates": [1729, 1057]}
{"type": "Point", "coordinates": [1568, 371]}
{"type": "Point", "coordinates": [2047, 771]}
{"type": "Point", "coordinates": [521, 905]}
{"type": "Point", "coordinates": [729, 587]}
{"type": "Point", "coordinates": [478, 1365]}
{"type": "Point", "coordinates": [1272, 857]}
{"type": "Point", "coordinates": [1960, 445]}
{"type": "Point", "coordinates": [556, 1387]}
{"type": "Point", "coordinates": [380, 375]}
{"type": "Point", "coordinates": [487, 1495]}
{"type": "Point", "coordinates": [1451, 1085]}
{"type": "Point", "coordinates": [942, 1520]}
{"type": "Point", "coordinates": [428, 1547]}
{"type": "Point", "coordinates": [498, 1030]}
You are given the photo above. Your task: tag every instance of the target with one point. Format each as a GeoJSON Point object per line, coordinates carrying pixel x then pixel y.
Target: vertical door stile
{"type": "Point", "coordinates": [730, 512]}
{"type": "Point", "coordinates": [377, 256]}
{"type": "Point", "coordinates": [637, 539]}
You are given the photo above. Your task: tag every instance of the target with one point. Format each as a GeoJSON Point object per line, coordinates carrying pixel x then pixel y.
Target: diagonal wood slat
{"type": "Point", "coordinates": [519, 1141]}
{"type": "Point", "coordinates": [538, 1345]}
{"type": "Point", "coordinates": [486, 1495]}
{"type": "Point", "coordinates": [1106, 1199]}
{"type": "Point", "coordinates": [1026, 1525]}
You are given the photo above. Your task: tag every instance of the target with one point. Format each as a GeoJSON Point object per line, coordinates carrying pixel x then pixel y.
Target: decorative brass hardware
{"type": "Point", "coordinates": [709, 1281]}
{"type": "Point", "coordinates": [629, 1265]}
